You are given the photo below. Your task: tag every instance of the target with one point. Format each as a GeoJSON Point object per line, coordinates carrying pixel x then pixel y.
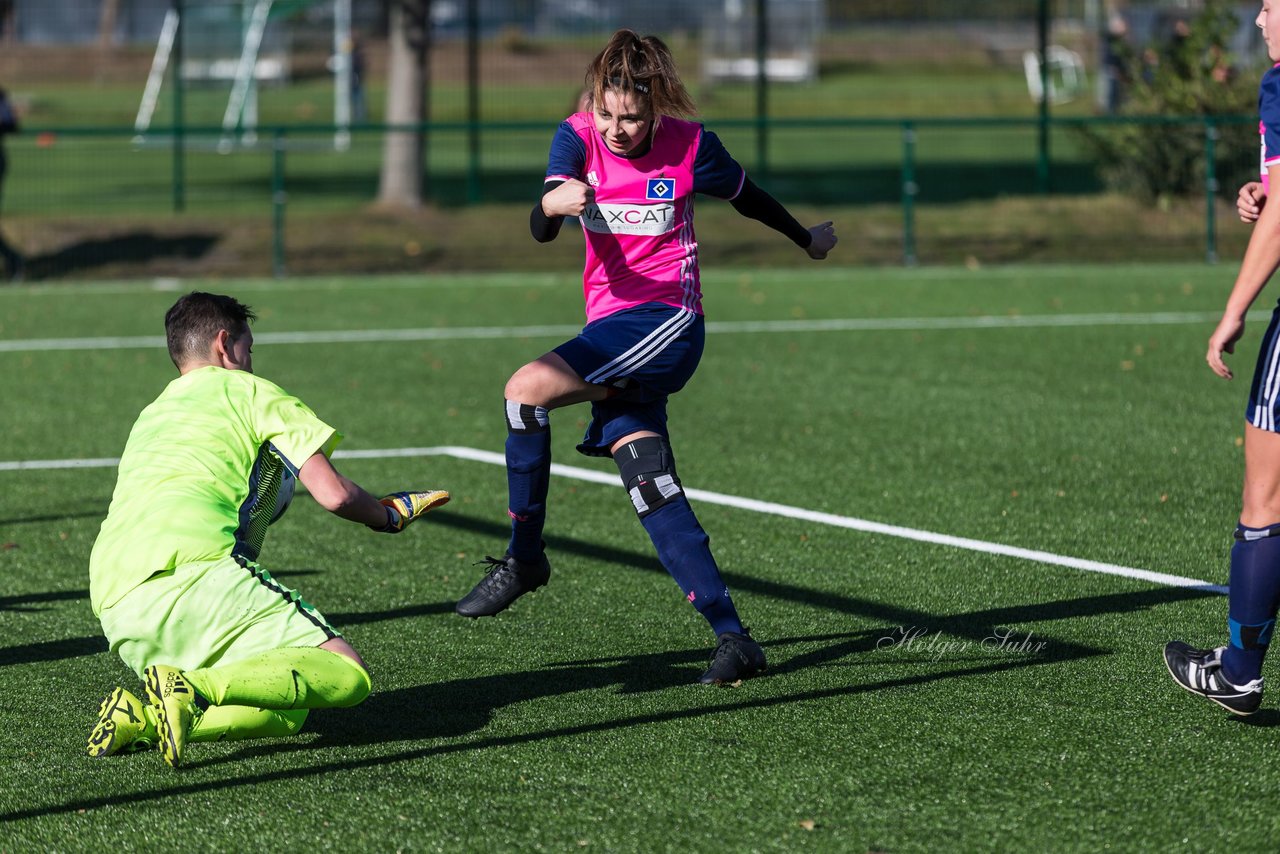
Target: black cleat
{"type": "Point", "coordinates": [736, 657]}
{"type": "Point", "coordinates": [506, 581]}
{"type": "Point", "coordinates": [1200, 672]}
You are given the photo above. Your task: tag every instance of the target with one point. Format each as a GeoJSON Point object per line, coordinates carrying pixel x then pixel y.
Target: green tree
{"type": "Point", "coordinates": [1190, 73]}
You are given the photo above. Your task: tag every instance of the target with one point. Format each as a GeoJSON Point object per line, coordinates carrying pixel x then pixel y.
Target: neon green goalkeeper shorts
{"type": "Point", "coordinates": [207, 613]}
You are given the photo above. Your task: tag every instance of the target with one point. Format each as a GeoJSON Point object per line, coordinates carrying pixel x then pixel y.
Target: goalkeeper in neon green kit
{"type": "Point", "coordinates": [225, 651]}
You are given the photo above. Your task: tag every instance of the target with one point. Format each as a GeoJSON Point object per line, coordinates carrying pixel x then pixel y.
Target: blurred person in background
{"type": "Point", "coordinates": [629, 169]}
{"type": "Point", "coordinates": [359, 107]}
{"type": "Point", "coordinates": [8, 124]}
{"type": "Point", "coordinates": [1116, 56]}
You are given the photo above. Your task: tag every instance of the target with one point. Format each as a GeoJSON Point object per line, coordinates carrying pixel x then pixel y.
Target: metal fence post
{"type": "Point", "coordinates": [473, 101]}
{"type": "Point", "coordinates": [179, 119]}
{"type": "Point", "coordinates": [279, 197]}
{"type": "Point", "coordinates": [909, 190]}
{"type": "Point", "coordinates": [1043, 179]}
{"type": "Point", "coordinates": [1210, 191]}
{"type": "Point", "coordinates": [762, 88]}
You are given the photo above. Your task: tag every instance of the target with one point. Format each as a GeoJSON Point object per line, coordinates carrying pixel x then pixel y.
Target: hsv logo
{"type": "Point", "coordinates": [660, 190]}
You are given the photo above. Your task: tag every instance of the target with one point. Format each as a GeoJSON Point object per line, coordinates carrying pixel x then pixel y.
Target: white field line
{"type": "Point", "coordinates": [848, 324]}
{"type": "Point", "coordinates": [784, 510]}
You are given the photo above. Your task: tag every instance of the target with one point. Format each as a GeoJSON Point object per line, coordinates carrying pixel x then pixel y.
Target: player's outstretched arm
{"type": "Point", "coordinates": [755, 203]}
{"type": "Point", "coordinates": [343, 497]}
{"type": "Point", "coordinates": [823, 240]}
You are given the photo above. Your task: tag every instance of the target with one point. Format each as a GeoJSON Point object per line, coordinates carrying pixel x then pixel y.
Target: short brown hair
{"type": "Point", "coordinates": [194, 321]}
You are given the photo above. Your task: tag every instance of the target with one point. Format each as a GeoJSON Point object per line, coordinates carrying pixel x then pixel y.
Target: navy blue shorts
{"type": "Point", "coordinates": [1264, 394]}
{"type": "Point", "coordinates": [645, 354]}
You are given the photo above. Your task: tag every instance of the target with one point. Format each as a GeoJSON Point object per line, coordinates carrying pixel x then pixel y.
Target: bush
{"type": "Point", "coordinates": [1190, 73]}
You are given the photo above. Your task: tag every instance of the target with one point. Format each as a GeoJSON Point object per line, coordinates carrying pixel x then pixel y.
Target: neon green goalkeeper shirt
{"type": "Point", "coordinates": [208, 465]}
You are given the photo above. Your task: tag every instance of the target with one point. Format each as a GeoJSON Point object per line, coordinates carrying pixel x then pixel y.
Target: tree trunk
{"type": "Point", "coordinates": [403, 151]}
{"type": "Point", "coordinates": [107, 23]}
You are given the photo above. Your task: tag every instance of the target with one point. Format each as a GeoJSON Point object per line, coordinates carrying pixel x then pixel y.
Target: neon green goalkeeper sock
{"type": "Point", "coordinates": [293, 677]}
{"type": "Point", "coordinates": [236, 723]}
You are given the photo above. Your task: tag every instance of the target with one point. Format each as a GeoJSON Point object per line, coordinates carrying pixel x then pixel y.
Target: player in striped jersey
{"type": "Point", "coordinates": [629, 170]}
{"type": "Point", "coordinates": [1231, 675]}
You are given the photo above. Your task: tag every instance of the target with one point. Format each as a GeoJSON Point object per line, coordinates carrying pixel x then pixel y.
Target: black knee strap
{"type": "Point", "coordinates": [526, 418]}
{"type": "Point", "coordinates": [648, 471]}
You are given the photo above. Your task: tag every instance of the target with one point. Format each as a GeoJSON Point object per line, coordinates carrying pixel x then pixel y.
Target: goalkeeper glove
{"type": "Point", "coordinates": [404, 507]}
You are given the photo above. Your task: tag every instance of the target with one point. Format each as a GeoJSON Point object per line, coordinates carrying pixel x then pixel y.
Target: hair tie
{"type": "Point", "coordinates": [618, 83]}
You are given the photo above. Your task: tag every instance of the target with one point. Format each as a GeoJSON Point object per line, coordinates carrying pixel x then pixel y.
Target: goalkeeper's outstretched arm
{"type": "Point", "coordinates": [343, 497]}
{"type": "Point", "coordinates": [340, 495]}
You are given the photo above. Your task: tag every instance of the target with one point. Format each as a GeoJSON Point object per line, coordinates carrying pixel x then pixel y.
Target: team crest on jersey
{"type": "Point", "coordinates": [660, 189]}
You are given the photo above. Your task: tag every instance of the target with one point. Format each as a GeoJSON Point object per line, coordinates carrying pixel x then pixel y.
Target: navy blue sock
{"type": "Point", "coordinates": [685, 551]}
{"type": "Point", "coordinates": [1251, 601]}
{"type": "Point", "coordinates": [528, 472]}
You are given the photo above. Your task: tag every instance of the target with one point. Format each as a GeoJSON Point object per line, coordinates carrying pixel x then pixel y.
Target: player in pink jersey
{"type": "Point", "coordinates": [629, 169]}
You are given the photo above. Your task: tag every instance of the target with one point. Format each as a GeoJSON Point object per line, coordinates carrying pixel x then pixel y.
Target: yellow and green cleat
{"type": "Point", "coordinates": [124, 725]}
{"type": "Point", "coordinates": [173, 701]}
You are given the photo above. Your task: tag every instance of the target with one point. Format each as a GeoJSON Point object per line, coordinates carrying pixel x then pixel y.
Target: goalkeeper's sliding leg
{"type": "Point", "coordinates": [126, 724]}
{"type": "Point", "coordinates": [289, 679]}
{"type": "Point", "coordinates": [267, 695]}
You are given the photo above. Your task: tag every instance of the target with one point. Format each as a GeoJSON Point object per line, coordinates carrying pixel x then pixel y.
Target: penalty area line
{"type": "Point", "coordinates": [750, 504]}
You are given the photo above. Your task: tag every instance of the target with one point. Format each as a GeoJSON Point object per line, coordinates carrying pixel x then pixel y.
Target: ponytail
{"type": "Point", "coordinates": [643, 66]}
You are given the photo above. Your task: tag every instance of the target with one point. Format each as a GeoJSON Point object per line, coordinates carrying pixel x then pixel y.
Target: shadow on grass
{"type": "Point", "coordinates": [975, 627]}
{"type": "Point", "coordinates": [458, 708]}
{"type": "Point", "coordinates": [453, 709]}
{"type": "Point", "coordinates": [137, 247]}
{"type": "Point", "coordinates": [57, 650]}
{"type": "Point", "coordinates": [16, 603]}
{"type": "Point", "coordinates": [55, 517]}
{"type": "Point", "coordinates": [1262, 718]}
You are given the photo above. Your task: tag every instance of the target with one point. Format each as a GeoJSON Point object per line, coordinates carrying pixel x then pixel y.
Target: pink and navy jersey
{"type": "Point", "coordinates": [639, 230]}
{"type": "Point", "coordinates": [1269, 121]}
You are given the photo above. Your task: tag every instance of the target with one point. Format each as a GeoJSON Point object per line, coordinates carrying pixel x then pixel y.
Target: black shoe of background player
{"type": "Point", "coordinates": [506, 581]}
{"type": "Point", "coordinates": [736, 657]}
